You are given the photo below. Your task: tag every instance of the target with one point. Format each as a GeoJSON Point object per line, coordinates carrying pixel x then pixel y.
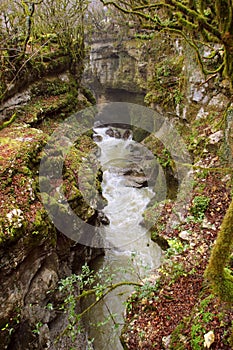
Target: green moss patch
{"type": "Point", "coordinates": [166, 84]}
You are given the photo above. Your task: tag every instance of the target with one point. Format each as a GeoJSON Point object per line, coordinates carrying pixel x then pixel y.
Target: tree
{"type": "Point", "coordinates": [65, 19]}
{"type": "Point", "coordinates": [29, 27]}
{"type": "Point", "coordinates": [202, 23]}
{"type": "Point", "coordinates": [216, 272]}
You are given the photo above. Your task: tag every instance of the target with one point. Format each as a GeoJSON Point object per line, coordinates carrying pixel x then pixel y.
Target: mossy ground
{"type": "Point", "coordinates": [20, 152]}
{"type": "Point", "coordinates": [21, 149]}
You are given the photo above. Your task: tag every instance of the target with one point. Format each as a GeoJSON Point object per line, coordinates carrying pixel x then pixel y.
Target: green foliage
{"type": "Point", "coordinates": [12, 323]}
{"type": "Point", "coordinates": [178, 97]}
{"type": "Point", "coordinates": [200, 24]}
{"type": "Point", "coordinates": [142, 293]}
{"type": "Point", "coordinates": [7, 327]}
{"type": "Point", "coordinates": [37, 328]}
{"type": "Point", "coordinates": [175, 336]}
{"type": "Point", "coordinates": [197, 336]}
{"type": "Point", "coordinates": [10, 121]}
{"type": "Point", "coordinates": [198, 323]}
{"type": "Point", "coordinates": [166, 84]}
{"type": "Point", "coordinates": [49, 88]}
{"type": "Point", "coordinates": [175, 247]}
{"type": "Point", "coordinates": [199, 206]}
{"type": "Point", "coordinates": [75, 288]}
{"type": "Point", "coordinates": [144, 36]}
{"type": "Point", "coordinates": [147, 290]}
{"type": "Point", "coordinates": [68, 287]}
{"type": "Point", "coordinates": [177, 270]}
{"type": "Point", "coordinates": [36, 42]}
{"type": "Point", "coordinates": [166, 158]}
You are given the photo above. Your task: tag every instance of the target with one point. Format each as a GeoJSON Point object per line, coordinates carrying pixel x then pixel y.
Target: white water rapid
{"type": "Point", "coordinates": [131, 254]}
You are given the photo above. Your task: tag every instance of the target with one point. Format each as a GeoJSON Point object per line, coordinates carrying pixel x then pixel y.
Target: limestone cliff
{"type": "Point", "coordinates": [34, 256]}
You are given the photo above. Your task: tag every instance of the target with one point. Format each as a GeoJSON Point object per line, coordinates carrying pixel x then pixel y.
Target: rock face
{"type": "Point", "coordinates": [30, 271]}
{"type": "Point", "coordinates": [34, 256]}
{"type": "Point", "coordinates": [114, 73]}
{"type": "Point", "coordinates": [162, 73]}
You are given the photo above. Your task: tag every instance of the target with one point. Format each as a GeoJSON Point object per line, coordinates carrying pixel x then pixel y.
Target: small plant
{"type": "Point", "coordinates": [76, 288]}
{"type": "Point", "coordinates": [90, 343]}
{"type": "Point", "coordinates": [147, 290]}
{"type": "Point", "coordinates": [7, 328]}
{"type": "Point", "coordinates": [178, 97]}
{"type": "Point", "coordinates": [200, 204]}
{"type": "Point", "coordinates": [12, 322]}
{"type": "Point", "coordinates": [198, 328]}
{"type": "Point", "coordinates": [197, 336]}
{"type": "Point", "coordinates": [175, 247]}
{"type": "Point", "coordinates": [37, 328]}
{"type": "Point", "coordinates": [178, 270]}
{"type": "Point", "coordinates": [166, 158]}
{"type": "Point", "coordinates": [142, 335]}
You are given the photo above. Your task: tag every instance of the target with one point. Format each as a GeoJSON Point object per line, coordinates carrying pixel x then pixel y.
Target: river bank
{"type": "Point", "coordinates": [34, 256]}
{"type": "Point", "coordinates": [182, 309]}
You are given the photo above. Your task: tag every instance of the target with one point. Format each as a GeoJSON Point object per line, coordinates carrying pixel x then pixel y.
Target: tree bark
{"type": "Point", "coordinates": [216, 272]}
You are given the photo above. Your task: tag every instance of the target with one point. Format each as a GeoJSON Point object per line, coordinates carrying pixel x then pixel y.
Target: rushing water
{"type": "Point", "coordinates": [132, 254]}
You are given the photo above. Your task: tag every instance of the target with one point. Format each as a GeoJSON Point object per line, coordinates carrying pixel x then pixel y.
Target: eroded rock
{"type": "Point", "coordinates": [34, 256]}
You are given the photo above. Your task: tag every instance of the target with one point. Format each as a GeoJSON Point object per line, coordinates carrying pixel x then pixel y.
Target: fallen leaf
{"type": "Point", "coordinates": [209, 339]}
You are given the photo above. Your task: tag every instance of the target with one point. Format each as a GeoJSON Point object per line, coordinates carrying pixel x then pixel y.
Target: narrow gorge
{"type": "Point", "coordinates": [143, 140]}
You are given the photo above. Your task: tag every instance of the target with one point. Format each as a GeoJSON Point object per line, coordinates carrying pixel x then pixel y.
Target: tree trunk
{"type": "Point", "coordinates": [227, 39]}
{"type": "Point", "coordinates": [216, 271]}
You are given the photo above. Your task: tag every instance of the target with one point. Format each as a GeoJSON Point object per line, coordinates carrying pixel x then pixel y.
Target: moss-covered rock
{"type": "Point", "coordinates": [165, 87]}
{"type": "Point", "coordinates": [33, 254]}
{"type": "Point", "coordinates": [168, 165]}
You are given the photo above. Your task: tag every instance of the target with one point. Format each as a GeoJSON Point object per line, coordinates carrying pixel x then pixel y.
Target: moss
{"type": "Point", "coordinates": [48, 107]}
{"type": "Point", "coordinates": [45, 184]}
{"type": "Point", "coordinates": [222, 284]}
{"type": "Point", "coordinates": [21, 151]}
{"type": "Point", "coordinates": [166, 85]}
{"type": "Point", "coordinates": [89, 95]}
{"type": "Point", "coordinates": [47, 88]}
{"type": "Point", "coordinates": [41, 223]}
{"type": "Point", "coordinates": [8, 122]}
{"type": "Point", "coordinates": [220, 278]}
{"type": "Point", "coordinates": [139, 134]}
{"type": "Point", "coordinates": [231, 337]}
{"type": "Point", "coordinates": [20, 148]}
{"type": "Point", "coordinates": [168, 165]}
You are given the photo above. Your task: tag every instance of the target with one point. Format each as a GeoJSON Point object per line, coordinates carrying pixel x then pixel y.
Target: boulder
{"type": "Point", "coordinates": [110, 132]}
{"type": "Point", "coordinates": [126, 134]}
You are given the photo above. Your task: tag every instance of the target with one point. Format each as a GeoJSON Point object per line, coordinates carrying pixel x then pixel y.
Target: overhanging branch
{"type": "Point", "coordinates": [176, 6]}
{"type": "Point", "coordinates": [192, 44]}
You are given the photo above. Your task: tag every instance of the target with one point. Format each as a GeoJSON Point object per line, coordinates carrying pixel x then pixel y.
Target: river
{"type": "Point", "coordinates": [131, 254]}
